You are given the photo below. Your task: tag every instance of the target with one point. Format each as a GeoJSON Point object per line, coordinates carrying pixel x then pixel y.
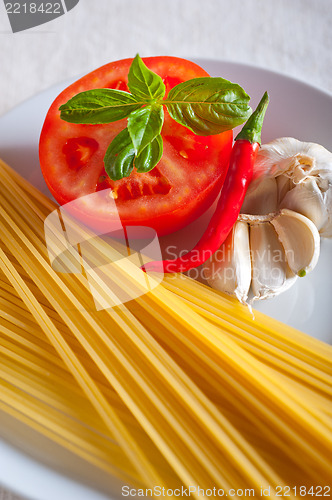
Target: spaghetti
{"type": "Point", "coordinates": [178, 386]}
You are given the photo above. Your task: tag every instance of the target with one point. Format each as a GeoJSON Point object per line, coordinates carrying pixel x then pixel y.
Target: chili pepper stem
{"type": "Point", "coordinates": [252, 129]}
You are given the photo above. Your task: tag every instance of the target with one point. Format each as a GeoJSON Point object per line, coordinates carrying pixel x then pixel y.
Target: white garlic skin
{"type": "Point", "coordinates": [308, 166]}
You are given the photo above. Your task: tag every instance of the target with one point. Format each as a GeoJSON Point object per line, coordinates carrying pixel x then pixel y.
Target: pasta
{"type": "Point", "coordinates": [179, 386]}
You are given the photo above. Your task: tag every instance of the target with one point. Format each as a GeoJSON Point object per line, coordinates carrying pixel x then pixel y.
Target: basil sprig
{"type": "Point", "coordinates": [207, 106]}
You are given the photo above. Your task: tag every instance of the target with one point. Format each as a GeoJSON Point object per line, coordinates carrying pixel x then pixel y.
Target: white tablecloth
{"type": "Point", "coordinates": [290, 36]}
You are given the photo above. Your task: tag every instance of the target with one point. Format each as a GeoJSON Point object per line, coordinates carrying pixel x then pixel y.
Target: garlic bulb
{"type": "Point", "coordinates": [287, 207]}
{"type": "Point", "coordinates": [303, 171]}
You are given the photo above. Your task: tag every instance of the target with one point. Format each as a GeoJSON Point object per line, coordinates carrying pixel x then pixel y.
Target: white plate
{"type": "Point", "coordinates": [295, 109]}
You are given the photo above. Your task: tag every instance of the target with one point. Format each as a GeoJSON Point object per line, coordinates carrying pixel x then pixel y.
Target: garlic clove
{"type": "Point", "coordinates": [290, 279]}
{"type": "Point", "coordinates": [270, 272]}
{"type": "Point", "coordinates": [307, 199]}
{"type": "Point", "coordinates": [229, 269]}
{"type": "Point", "coordinates": [284, 185]}
{"type": "Point", "coordinates": [261, 197]}
{"type": "Point", "coordinates": [300, 240]}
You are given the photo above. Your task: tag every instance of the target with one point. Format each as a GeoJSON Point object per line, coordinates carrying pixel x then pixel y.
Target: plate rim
{"type": "Point", "coordinates": [198, 60]}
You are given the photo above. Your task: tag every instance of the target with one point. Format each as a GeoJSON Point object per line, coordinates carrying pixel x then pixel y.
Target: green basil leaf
{"type": "Point", "coordinates": [144, 125]}
{"type": "Point", "coordinates": [208, 105]}
{"type": "Point", "coordinates": [119, 157]}
{"type": "Point", "coordinates": [143, 83]}
{"type": "Point", "coordinates": [150, 156]}
{"type": "Point", "coordinates": [99, 106]}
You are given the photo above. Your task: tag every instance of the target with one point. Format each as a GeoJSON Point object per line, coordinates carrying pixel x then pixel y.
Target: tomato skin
{"type": "Point", "coordinates": [182, 186]}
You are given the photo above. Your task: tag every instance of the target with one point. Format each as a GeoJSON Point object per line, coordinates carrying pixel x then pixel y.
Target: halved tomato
{"type": "Point", "coordinates": [178, 190]}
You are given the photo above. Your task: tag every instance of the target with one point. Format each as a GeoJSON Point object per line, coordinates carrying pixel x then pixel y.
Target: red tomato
{"type": "Point", "coordinates": [182, 186]}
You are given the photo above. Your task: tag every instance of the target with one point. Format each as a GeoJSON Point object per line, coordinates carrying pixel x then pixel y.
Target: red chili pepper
{"type": "Point", "coordinates": [239, 175]}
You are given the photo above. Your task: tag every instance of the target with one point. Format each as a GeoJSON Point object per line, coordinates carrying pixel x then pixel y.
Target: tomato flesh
{"type": "Point", "coordinates": [182, 186]}
{"type": "Point", "coordinates": [78, 151]}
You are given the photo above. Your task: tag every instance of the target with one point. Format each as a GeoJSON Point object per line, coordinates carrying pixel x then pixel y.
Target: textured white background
{"type": "Point", "coordinates": [290, 36]}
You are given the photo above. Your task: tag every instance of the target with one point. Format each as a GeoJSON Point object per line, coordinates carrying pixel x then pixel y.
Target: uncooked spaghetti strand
{"type": "Point", "coordinates": [59, 415]}
{"type": "Point", "coordinates": [36, 345]}
{"type": "Point", "coordinates": [19, 406]}
{"type": "Point", "coordinates": [214, 337]}
{"type": "Point", "coordinates": [219, 420]}
{"type": "Point", "coordinates": [218, 304]}
{"type": "Point", "coordinates": [240, 334]}
{"type": "Point", "coordinates": [167, 340]}
{"type": "Point", "coordinates": [38, 363]}
{"type": "Point", "coordinates": [11, 302]}
{"type": "Point", "coordinates": [189, 314]}
{"type": "Point", "coordinates": [132, 321]}
{"type": "Point", "coordinates": [69, 403]}
{"type": "Point", "coordinates": [39, 367]}
{"type": "Point", "coordinates": [7, 245]}
{"type": "Point", "coordinates": [165, 301]}
{"type": "Point", "coordinates": [22, 203]}
{"type": "Point", "coordinates": [11, 315]}
{"type": "Point", "coordinates": [135, 455]}
{"type": "Point", "coordinates": [313, 346]}
{"type": "Point", "coordinates": [201, 363]}
{"type": "Point", "coordinates": [304, 365]}
{"type": "Point", "coordinates": [231, 307]}
{"type": "Point", "coordinates": [13, 178]}
{"type": "Point", "coordinates": [274, 356]}
{"type": "Point", "coordinates": [17, 338]}
{"type": "Point", "coordinates": [26, 372]}
{"type": "Point", "coordinates": [58, 374]}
